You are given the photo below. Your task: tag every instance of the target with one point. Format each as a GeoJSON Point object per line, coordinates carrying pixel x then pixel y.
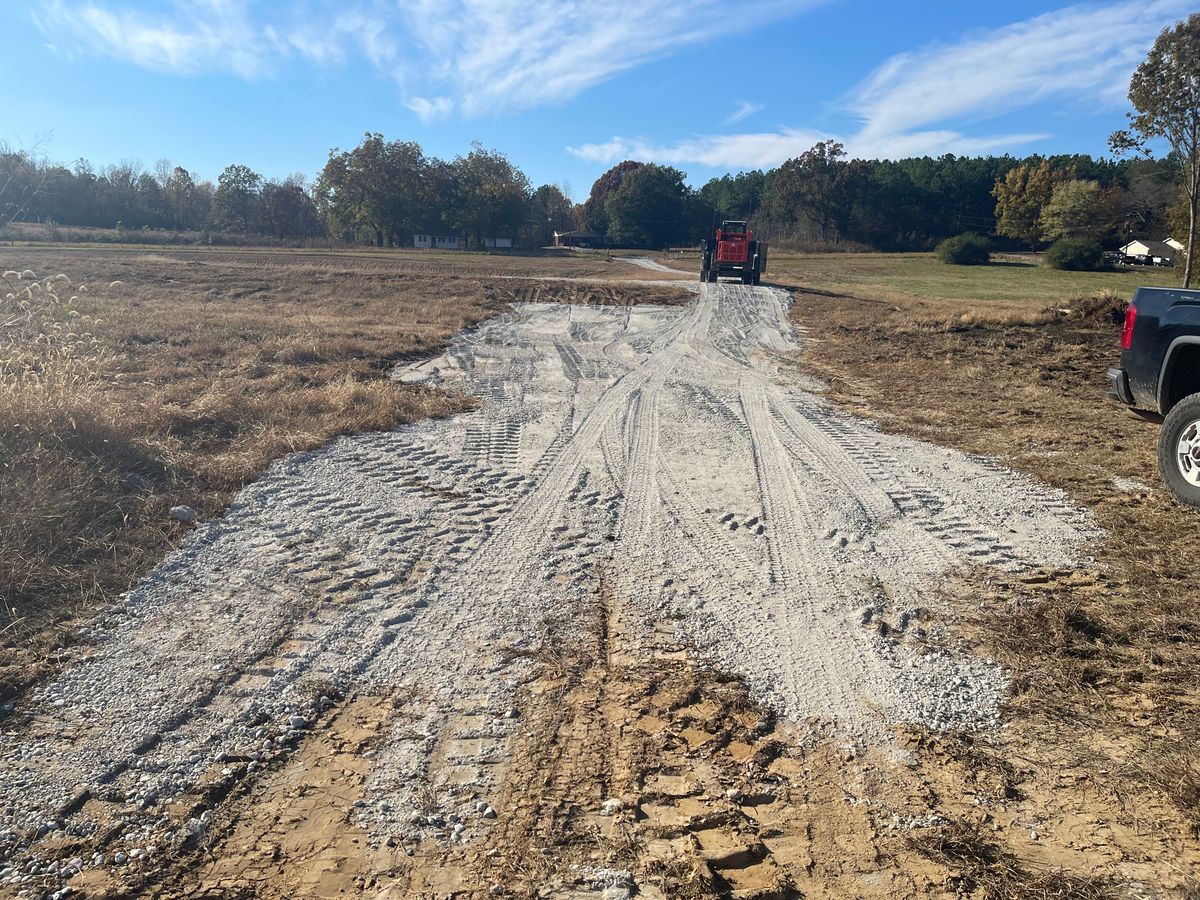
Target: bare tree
{"type": "Point", "coordinates": [23, 176]}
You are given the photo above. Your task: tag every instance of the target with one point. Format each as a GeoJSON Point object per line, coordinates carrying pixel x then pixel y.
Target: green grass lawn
{"type": "Point", "coordinates": [1009, 284]}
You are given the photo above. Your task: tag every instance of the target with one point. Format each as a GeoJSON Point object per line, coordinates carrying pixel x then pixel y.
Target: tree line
{"type": "Point", "coordinates": [384, 192]}
{"type": "Point", "coordinates": [821, 197]}
{"type": "Point", "coordinates": [381, 192]}
{"type": "Point", "coordinates": [126, 196]}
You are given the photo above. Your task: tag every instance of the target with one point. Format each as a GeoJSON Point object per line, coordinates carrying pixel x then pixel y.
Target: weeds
{"type": "Point", "coordinates": [1102, 657]}
{"type": "Point", "coordinates": [981, 865]}
{"type": "Point", "coordinates": [1172, 768]}
{"type": "Point", "coordinates": [681, 876]}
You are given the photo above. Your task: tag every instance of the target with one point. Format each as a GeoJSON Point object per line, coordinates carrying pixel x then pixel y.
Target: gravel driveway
{"type": "Point", "coordinates": [678, 454]}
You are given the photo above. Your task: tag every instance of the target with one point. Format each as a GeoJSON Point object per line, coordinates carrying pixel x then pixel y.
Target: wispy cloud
{"type": "Point", "coordinates": [768, 149]}
{"type": "Point", "coordinates": [189, 38]}
{"type": "Point", "coordinates": [470, 57]}
{"type": "Point", "coordinates": [430, 109]}
{"type": "Point", "coordinates": [749, 151]}
{"type": "Point", "coordinates": [1080, 55]}
{"type": "Point", "coordinates": [493, 56]}
{"type": "Point", "coordinates": [744, 110]}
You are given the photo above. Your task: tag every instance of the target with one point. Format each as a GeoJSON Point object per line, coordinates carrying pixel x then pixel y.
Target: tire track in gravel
{"type": "Point", "coordinates": [440, 565]}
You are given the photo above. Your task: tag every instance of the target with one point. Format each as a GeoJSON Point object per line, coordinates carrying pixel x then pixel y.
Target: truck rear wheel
{"type": "Point", "coordinates": [1179, 451]}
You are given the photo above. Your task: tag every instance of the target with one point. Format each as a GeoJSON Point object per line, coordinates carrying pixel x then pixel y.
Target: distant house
{"type": "Point", "coordinates": [1150, 248]}
{"type": "Point", "coordinates": [435, 242]}
{"type": "Point", "coordinates": [574, 239]}
{"type": "Point", "coordinates": [497, 243]}
{"type": "Point", "coordinates": [1177, 245]}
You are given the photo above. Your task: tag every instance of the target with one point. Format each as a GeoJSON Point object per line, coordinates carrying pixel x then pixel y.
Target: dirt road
{"type": "Point", "coordinates": [638, 483]}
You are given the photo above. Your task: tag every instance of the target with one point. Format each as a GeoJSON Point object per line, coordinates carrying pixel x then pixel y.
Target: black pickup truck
{"type": "Point", "coordinates": [1160, 374]}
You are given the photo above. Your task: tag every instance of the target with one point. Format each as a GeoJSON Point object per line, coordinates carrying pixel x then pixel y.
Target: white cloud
{"type": "Point", "coordinates": [768, 149]}
{"type": "Point", "coordinates": [429, 109]}
{"type": "Point", "coordinates": [1081, 54]}
{"type": "Point", "coordinates": [749, 151]}
{"type": "Point", "coordinates": [475, 57]}
{"type": "Point", "coordinates": [744, 110]}
{"type": "Point", "coordinates": [194, 37]}
{"type": "Point", "coordinates": [503, 55]}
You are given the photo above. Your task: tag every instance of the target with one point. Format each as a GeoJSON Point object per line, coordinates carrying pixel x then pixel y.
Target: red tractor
{"type": "Point", "coordinates": [733, 252]}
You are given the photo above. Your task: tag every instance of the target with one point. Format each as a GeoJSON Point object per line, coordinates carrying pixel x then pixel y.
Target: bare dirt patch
{"type": "Point", "coordinates": [627, 771]}
{"type": "Point", "coordinates": [1100, 748]}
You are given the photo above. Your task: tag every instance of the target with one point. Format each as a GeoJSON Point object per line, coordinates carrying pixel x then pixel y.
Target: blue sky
{"type": "Point", "coordinates": [566, 88]}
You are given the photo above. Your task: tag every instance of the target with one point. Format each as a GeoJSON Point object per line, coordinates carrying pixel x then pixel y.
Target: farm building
{"type": "Point", "coordinates": [574, 239]}
{"type": "Point", "coordinates": [497, 243]}
{"type": "Point", "coordinates": [435, 242]}
{"type": "Point", "coordinates": [1149, 248]}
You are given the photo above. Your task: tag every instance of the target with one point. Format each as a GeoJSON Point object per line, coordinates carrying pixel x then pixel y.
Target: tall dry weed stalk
{"type": "Point", "coordinates": [51, 363]}
{"type": "Point", "coordinates": [56, 451]}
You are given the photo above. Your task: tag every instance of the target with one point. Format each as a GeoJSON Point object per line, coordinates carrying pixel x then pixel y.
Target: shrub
{"type": "Point", "coordinates": [965, 250]}
{"type": "Point", "coordinates": [1075, 255]}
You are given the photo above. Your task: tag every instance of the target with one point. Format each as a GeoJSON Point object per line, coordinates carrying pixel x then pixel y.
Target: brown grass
{"type": "Point", "coordinates": [981, 868]}
{"type": "Point", "coordinates": [145, 381]}
{"type": "Point", "coordinates": [1104, 658]}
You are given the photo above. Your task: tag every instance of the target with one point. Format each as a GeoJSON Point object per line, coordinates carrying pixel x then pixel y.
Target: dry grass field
{"type": "Point", "coordinates": [1100, 757]}
{"type": "Point", "coordinates": [133, 382]}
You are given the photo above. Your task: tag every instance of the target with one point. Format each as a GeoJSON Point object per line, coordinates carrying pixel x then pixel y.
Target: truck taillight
{"type": "Point", "coordinates": [1127, 331]}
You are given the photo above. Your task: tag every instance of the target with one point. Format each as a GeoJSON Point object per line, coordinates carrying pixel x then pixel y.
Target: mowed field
{"type": "Point", "coordinates": [1013, 284]}
{"type": "Point", "coordinates": [134, 381]}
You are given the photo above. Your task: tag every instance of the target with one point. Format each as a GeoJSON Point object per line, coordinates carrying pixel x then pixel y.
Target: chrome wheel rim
{"type": "Point", "coordinates": [1187, 453]}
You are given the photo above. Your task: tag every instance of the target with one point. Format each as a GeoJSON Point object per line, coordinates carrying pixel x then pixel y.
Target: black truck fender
{"type": "Point", "coordinates": [1167, 371]}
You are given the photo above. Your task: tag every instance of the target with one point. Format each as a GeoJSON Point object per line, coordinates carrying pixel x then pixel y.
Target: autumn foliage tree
{"type": "Point", "coordinates": [1020, 196]}
{"type": "Point", "coordinates": [1076, 209]}
{"type": "Point", "coordinates": [595, 212]}
{"type": "Point", "coordinates": [1165, 94]}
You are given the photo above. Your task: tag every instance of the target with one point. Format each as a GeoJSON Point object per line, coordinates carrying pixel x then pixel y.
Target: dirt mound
{"type": "Point", "coordinates": [1105, 308]}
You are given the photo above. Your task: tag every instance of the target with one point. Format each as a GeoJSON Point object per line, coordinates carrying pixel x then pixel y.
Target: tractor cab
{"type": "Point", "coordinates": [733, 252]}
{"type": "Point", "coordinates": [733, 231]}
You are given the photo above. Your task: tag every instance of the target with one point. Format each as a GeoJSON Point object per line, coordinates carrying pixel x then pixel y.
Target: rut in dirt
{"type": "Point", "coordinates": [676, 450]}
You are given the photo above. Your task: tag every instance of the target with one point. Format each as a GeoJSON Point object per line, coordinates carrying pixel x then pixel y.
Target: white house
{"type": "Point", "coordinates": [435, 242]}
{"type": "Point", "coordinates": [1177, 245]}
{"type": "Point", "coordinates": [574, 239]}
{"type": "Point", "coordinates": [497, 243]}
{"type": "Point", "coordinates": [1150, 248]}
